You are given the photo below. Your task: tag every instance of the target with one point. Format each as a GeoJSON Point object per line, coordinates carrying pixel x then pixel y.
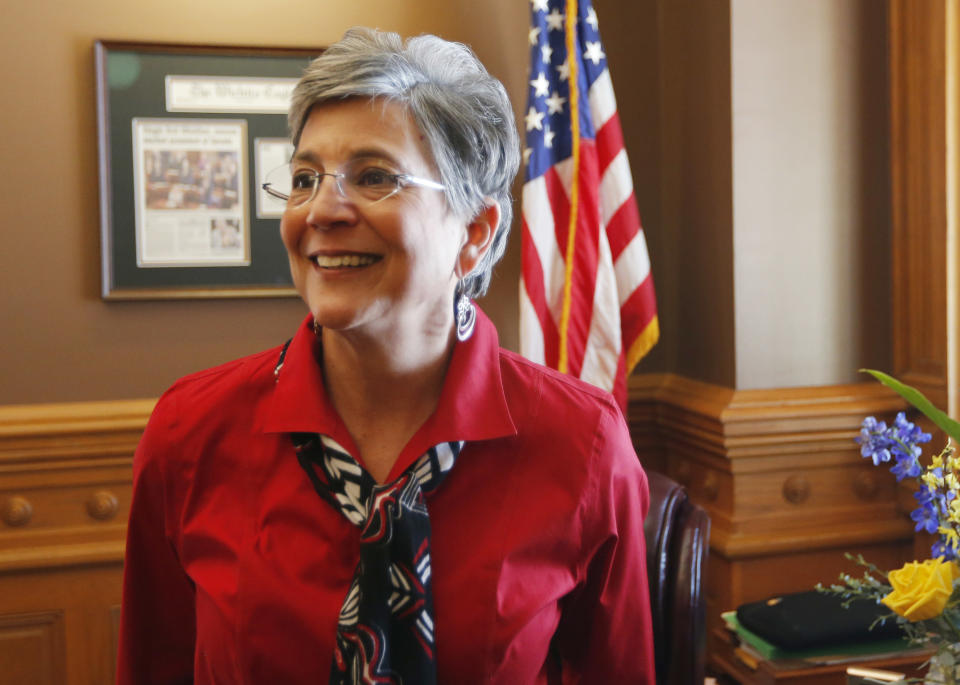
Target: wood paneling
{"type": "Point", "coordinates": [695, 170]}
{"type": "Point", "coordinates": [776, 469]}
{"type": "Point", "coordinates": [64, 501]}
{"type": "Point", "coordinates": [32, 648]}
{"type": "Point", "coordinates": [781, 477]}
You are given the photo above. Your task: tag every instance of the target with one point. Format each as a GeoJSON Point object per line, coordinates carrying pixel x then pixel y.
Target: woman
{"type": "Point", "coordinates": [389, 497]}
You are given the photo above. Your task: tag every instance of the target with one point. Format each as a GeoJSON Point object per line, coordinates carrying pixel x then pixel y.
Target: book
{"type": "Point", "coordinates": [819, 655]}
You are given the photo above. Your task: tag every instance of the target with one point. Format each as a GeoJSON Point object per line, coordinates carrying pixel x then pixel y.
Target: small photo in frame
{"type": "Point", "coordinates": [271, 153]}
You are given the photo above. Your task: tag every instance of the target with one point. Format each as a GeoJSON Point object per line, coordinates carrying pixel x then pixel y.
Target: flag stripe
{"type": "Point", "coordinates": [642, 345]}
{"type": "Point", "coordinates": [531, 326]}
{"type": "Point", "coordinates": [602, 353]}
{"type": "Point", "coordinates": [632, 267]}
{"type": "Point", "coordinates": [544, 198]}
{"type": "Point", "coordinates": [603, 104]}
{"type": "Point", "coordinates": [616, 187]}
{"type": "Point", "coordinates": [623, 226]}
{"type": "Point", "coordinates": [634, 319]}
{"type": "Point", "coordinates": [609, 140]}
{"type": "Point", "coordinates": [533, 288]}
{"type": "Point", "coordinates": [584, 263]}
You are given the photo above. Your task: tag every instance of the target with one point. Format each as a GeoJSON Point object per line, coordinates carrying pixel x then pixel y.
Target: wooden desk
{"type": "Point", "coordinates": [781, 477]}
{"type": "Point", "coordinates": [734, 665]}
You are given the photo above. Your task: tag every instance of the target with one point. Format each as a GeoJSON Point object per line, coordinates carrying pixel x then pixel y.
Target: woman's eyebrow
{"type": "Point", "coordinates": [305, 156]}
{"type": "Point", "coordinates": [360, 153]}
{"type": "Point", "coordinates": [374, 153]}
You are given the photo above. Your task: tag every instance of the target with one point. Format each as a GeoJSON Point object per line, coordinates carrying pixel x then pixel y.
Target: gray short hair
{"type": "Point", "coordinates": [462, 110]}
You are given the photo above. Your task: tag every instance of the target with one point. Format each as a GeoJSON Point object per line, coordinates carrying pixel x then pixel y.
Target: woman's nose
{"type": "Point", "coordinates": [329, 204]}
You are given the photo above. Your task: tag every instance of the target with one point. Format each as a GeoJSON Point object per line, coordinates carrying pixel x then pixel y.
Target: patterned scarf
{"type": "Point", "coordinates": [385, 629]}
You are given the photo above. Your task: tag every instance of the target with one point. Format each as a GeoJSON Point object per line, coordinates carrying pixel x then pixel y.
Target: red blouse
{"type": "Point", "coordinates": [236, 569]}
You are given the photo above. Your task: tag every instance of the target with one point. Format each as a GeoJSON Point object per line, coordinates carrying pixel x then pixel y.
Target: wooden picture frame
{"type": "Point", "coordinates": [184, 133]}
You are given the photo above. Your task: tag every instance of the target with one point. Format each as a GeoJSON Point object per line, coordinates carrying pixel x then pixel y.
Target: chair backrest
{"type": "Point", "coordinates": [677, 534]}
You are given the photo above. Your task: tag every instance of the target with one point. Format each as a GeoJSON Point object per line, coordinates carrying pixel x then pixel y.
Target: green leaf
{"type": "Point", "coordinates": [917, 399]}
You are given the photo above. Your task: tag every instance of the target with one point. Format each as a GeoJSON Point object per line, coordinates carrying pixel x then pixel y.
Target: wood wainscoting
{"type": "Point", "coordinates": [782, 479]}
{"type": "Point", "coordinates": [64, 498]}
{"type": "Point", "coordinates": [777, 470]}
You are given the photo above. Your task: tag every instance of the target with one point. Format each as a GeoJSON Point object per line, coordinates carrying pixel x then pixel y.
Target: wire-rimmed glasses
{"type": "Point", "coordinates": [357, 181]}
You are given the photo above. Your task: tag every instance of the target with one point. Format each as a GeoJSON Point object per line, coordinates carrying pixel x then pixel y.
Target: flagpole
{"type": "Point", "coordinates": [571, 41]}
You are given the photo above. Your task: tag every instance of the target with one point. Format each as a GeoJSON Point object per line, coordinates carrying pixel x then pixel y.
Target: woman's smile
{"type": "Point", "coordinates": [328, 262]}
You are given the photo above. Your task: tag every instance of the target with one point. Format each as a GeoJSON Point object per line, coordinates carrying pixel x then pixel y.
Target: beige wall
{"type": "Point", "coordinates": [60, 341]}
{"type": "Point", "coordinates": [763, 181]}
{"type": "Point", "coordinates": [811, 224]}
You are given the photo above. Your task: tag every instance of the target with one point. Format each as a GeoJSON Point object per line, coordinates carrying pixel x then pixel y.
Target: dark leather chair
{"type": "Point", "coordinates": [677, 533]}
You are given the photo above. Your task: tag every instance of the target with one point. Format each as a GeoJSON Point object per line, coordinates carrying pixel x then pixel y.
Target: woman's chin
{"type": "Point", "coordinates": [333, 322]}
{"type": "Point", "coordinates": [344, 318]}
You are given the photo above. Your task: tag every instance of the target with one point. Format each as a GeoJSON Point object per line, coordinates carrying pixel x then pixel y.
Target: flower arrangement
{"type": "Point", "coordinates": [923, 596]}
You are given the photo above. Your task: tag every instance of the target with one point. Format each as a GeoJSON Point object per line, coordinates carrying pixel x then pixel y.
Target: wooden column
{"type": "Point", "coordinates": [782, 479]}
{"type": "Point", "coordinates": [923, 109]}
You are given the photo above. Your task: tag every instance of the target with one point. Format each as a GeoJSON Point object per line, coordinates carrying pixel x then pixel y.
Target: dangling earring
{"type": "Point", "coordinates": [316, 328]}
{"type": "Point", "coordinates": [465, 314]}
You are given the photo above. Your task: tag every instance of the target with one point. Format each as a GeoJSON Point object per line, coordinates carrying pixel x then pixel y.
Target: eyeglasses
{"type": "Point", "coordinates": [357, 181]}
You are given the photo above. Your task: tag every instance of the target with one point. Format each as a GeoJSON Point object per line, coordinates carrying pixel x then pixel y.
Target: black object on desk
{"type": "Point", "coordinates": [807, 620]}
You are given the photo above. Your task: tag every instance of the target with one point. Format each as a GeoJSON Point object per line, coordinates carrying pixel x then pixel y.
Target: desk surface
{"type": "Point", "coordinates": [735, 666]}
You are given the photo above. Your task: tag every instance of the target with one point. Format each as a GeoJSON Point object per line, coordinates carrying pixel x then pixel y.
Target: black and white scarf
{"type": "Point", "coordinates": [385, 633]}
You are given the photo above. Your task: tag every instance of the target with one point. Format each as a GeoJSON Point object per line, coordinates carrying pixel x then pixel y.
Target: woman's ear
{"type": "Point", "coordinates": [480, 232]}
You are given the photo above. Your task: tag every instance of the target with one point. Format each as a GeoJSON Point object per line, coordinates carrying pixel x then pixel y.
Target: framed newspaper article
{"type": "Point", "coordinates": [185, 136]}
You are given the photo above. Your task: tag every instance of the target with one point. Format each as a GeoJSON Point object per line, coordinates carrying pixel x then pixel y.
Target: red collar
{"type": "Point", "coordinates": [472, 405]}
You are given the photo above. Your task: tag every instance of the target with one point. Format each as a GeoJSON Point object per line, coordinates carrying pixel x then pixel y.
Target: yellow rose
{"type": "Point", "coordinates": [921, 590]}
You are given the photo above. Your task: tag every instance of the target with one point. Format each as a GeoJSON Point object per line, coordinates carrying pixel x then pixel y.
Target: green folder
{"type": "Point", "coordinates": [771, 652]}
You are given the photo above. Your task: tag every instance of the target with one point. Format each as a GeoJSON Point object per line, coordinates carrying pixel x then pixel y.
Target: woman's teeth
{"type": "Point", "coordinates": [325, 262]}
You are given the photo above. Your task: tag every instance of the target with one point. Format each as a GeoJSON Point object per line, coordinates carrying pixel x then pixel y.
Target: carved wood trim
{"type": "Point", "coordinates": [65, 477]}
{"type": "Point", "coordinates": [777, 469]}
{"type": "Point", "coordinates": [36, 434]}
{"type": "Point", "coordinates": [763, 462]}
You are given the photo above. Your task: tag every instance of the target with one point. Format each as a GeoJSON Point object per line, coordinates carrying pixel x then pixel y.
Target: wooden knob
{"type": "Point", "coordinates": [865, 485]}
{"type": "Point", "coordinates": [711, 487]}
{"type": "Point", "coordinates": [796, 489]}
{"type": "Point", "coordinates": [102, 505]}
{"type": "Point", "coordinates": [17, 511]}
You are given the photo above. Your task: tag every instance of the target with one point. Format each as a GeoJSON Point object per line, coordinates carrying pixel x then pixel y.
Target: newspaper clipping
{"type": "Point", "coordinates": [190, 187]}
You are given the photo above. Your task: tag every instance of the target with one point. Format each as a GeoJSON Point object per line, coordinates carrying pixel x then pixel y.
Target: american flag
{"type": "Point", "coordinates": [587, 304]}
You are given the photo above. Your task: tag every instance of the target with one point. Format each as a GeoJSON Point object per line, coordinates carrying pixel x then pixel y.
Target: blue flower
{"type": "Point", "coordinates": [900, 441]}
{"type": "Point", "coordinates": [906, 467]}
{"type": "Point", "coordinates": [942, 549]}
{"type": "Point", "coordinates": [925, 494]}
{"type": "Point", "coordinates": [875, 440]}
{"type": "Point", "coordinates": [909, 432]}
{"type": "Point", "coordinates": [926, 517]}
